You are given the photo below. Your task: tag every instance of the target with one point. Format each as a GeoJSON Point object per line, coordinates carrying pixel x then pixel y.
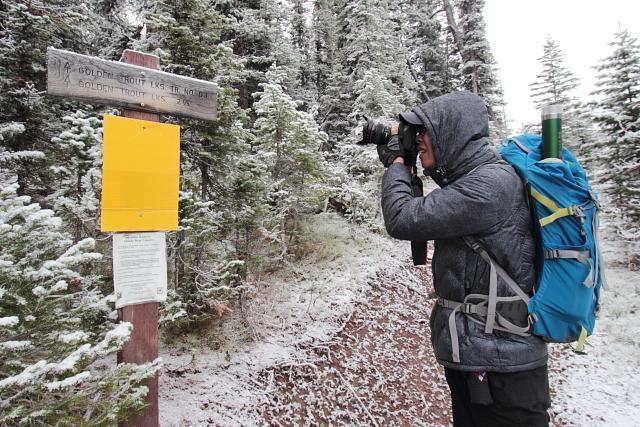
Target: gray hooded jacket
{"type": "Point", "coordinates": [480, 196]}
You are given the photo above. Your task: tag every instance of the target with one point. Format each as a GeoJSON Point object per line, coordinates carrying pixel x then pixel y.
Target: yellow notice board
{"type": "Point", "coordinates": [140, 175]}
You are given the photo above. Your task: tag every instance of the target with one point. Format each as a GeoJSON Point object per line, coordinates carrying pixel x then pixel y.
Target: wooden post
{"type": "Point", "coordinates": [142, 347]}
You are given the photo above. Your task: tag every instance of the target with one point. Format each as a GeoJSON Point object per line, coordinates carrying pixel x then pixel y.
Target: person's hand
{"type": "Point", "coordinates": [391, 151]}
{"type": "Point", "coordinates": [407, 135]}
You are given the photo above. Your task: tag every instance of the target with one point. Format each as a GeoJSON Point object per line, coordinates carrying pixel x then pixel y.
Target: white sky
{"type": "Point", "coordinates": [516, 30]}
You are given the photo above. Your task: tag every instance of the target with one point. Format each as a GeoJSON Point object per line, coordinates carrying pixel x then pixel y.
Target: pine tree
{"type": "Point", "coordinates": [56, 326]}
{"type": "Point", "coordinates": [478, 68]}
{"type": "Point", "coordinates": [109, 29]}
{"type": "Point", "coordinates": [188, 36]}
{"type": "Point", "coordinates": [369, 76]}
{"type": "Point", "coordinates": [28, 119]}
{"type": "Point", "coordinates": [617, 111]}
{"type": "Point", "coordinates": [250, 36]}
{"type": "Point", "coordinates": [477, 65]}
{"type": "Point", "coordinates": [334, 108]}
{"type": "Point", "coordinates": [324, 29]}
{"type": "Point", "coordinates": [304, 55]}
{"type": "Point", "coordinates": [555, 83]}
{"type": "Point", "coordinates": [289, 142]}
{"type": "Point", "coordinates": [375, 97]}
{"type": "Point", "coordinates": [424, 38]}
{"type": "Point", "coordinates": [330, 80]}
{"type": "Point", "coordinates": [369, 50]}
{"type": "Point", "coordinates": [78, 156]}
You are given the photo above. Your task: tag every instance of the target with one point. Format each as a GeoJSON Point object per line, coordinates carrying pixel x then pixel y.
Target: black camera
{"type": "Point", "coordinates": [377, 132]}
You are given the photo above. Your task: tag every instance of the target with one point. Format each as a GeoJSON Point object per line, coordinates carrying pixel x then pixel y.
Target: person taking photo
{"type": "Point", "coordinates": [497, 375]}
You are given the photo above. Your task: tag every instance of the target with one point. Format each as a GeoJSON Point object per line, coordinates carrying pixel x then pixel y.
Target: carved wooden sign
{"type": "Point", "coordinates": [92, 79]}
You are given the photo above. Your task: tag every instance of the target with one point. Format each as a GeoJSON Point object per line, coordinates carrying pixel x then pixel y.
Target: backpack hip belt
{"type": "Point", "coordinates": [483, 309]}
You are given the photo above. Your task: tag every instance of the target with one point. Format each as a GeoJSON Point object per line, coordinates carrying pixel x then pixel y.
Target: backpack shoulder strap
{"type": "Point", "coordinates": [519, 144]}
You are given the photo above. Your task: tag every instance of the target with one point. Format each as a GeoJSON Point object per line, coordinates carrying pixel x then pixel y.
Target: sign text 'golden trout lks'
{"type": "Point", "coordinates": [92, 79]}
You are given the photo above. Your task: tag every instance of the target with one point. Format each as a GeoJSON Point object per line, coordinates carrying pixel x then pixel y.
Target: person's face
{"type": "Point", "coordinates": [425, 149]}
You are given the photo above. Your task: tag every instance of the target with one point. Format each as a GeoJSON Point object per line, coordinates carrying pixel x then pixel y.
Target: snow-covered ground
{"type": "Point", "coordinates": [304, 304]}
{"type": "Point", "coordinates": [304, 307]}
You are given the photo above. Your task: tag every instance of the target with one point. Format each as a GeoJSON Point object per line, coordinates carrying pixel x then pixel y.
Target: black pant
{"type": "Point", "coordinates": [499, 399]}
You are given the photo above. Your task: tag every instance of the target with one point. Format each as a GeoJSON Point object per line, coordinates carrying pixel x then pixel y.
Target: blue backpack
{"type": "Point", "coordinates": [570, 273]}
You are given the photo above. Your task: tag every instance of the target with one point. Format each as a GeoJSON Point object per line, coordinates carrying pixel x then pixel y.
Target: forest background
{"type": "Point", "coordinates": [296, 78]}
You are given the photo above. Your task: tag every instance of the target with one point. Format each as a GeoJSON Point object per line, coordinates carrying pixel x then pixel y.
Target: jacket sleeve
{"type": "Point", "coordinates": [473, 204]}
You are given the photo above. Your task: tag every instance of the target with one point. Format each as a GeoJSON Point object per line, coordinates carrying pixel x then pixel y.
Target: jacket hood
{"type": "Point", "coordinates": [458, 126]}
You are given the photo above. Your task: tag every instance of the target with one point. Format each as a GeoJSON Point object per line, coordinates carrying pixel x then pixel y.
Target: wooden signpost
{"type": "Point", "coordinates": [138, 85]}
{"type": "Point", "coordinates": [132, 84]}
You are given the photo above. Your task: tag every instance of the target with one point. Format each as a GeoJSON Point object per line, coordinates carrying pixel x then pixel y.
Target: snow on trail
{"type": "Point", "coordinates": [202, 386]}
{"type": "Point", "coordinates": [343, 339]}
{"type": "Point", "coordinates": [379, 370]}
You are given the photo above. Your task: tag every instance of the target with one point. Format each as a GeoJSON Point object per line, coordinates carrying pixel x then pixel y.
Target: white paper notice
{"type": "Point", "coordinates": [139, 268]}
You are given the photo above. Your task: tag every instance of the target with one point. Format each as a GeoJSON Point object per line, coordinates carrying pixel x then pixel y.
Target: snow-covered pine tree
{"type": "Point", "coordinates": [109, 28]}
{"type": "Point", "coordinates": [555, 83]}
{"type": "Point", "coordinates": [579, 133]}
{"type": "Point", "coordinates": [369, 46]}
{"type": "Point", "coordinates": [374, 59]}
{"type": "Point", "coordinates": [424, 38]}
{"type": "Point", "coordinates": [372, 79]}
{"type": "Point", "coordinates": [324, 37]}
{"type": "Point", "coordinates": [288, 142]}
{"type": "Point", "coordinates": [302, 40]}
{"type": "Point", "coordinates": [453, 76]}
{"type": "Point", "coordinates": [57, 328]}
{"type": "Point", "coordinates": [282, 129]}
{"type": "Point", "coordinates": [477, 66]}
{"type": "Point", "coordinates": [333, 102]}
{"type": "Point", "coordinates": [28, 120]}
{"type": "Point", "coordinates": [187, 36]}
{"type": "Point", "coordinates": [41, 136]}
{"type": "Point", "coordinates": [335, 107]}
{"type": "Point", "coordinates": [250, 36]}
{"type": "Point", "coordinates": [78, 154]}
{"type": "Point", "coordinates": [617, 111]}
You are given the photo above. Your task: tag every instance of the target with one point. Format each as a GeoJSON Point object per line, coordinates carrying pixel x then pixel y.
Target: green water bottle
{"type": "Point", "coordinates": [552, 131]}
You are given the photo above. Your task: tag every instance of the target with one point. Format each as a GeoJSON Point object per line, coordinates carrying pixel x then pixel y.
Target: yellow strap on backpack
{"type": "Point", "coordinates": [551, 205]}
{"type": "Point", "coordinates": [581, 341]}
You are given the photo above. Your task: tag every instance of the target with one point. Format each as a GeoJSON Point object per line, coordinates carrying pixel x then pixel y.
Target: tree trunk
{"type": "Point", "coordinates": [453, 26]}
{"type": "Point", "coordinates": [457, 38]}
{"type": "Point", "coordinates": [204, 174]}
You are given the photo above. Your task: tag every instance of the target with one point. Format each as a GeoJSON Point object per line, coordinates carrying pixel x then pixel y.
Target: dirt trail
{"type": "Point", "coordinates": [326, 355]}
{"type": "Point", "coordinates": [378, 370]}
